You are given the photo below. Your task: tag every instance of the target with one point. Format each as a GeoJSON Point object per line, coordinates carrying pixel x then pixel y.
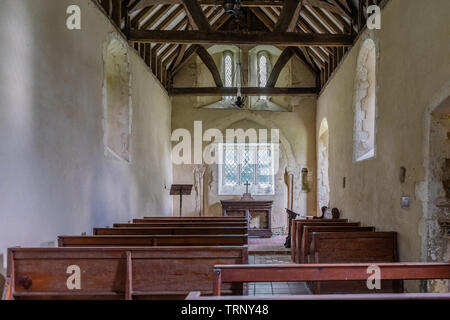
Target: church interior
{"type": "Point", "coordinates": [189, 149]}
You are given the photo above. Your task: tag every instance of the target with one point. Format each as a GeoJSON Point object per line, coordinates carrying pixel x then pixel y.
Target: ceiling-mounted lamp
{"type": "Point", "coordinates": [232, 6]}
{"type": "Point", "coordinates": [240, 100]}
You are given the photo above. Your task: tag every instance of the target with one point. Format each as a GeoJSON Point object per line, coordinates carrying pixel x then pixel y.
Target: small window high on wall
{"type": "Point", "coordinates": [117, 109]}
{"type": "Point", "coordinates": [364, 103]}
{"type": "Point", "coordinates": [263, 64]}
{"type": "Point", "coordinates": [228, 70]}
{"type": "Point", "coordinates": [242, 163]}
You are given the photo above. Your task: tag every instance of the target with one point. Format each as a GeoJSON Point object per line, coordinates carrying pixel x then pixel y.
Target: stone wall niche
{"type": "Point", "coordinates": [323, 183]}
{"type": "Point", "coordinates": [117, 102]}
{"type": "Point", "coordinates": [364, 103]}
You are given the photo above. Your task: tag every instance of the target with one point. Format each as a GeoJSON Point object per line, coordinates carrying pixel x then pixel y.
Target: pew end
{"type": "Point", "coordinates": [327, 272]}
{"type": "Point", "coordinates": [329, 297]}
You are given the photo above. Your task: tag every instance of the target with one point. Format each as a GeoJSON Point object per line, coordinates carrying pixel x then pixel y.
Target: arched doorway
{"type": "Point", "coordinates": [323, 183]}
{"type": "Point", "coordinates": [438, 198]}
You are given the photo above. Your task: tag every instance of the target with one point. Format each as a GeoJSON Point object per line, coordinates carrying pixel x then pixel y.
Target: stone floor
{"type": "Point", "coordinates": [275, 288]}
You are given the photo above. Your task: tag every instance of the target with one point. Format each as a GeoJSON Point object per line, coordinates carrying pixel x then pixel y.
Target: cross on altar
{"type": "Point", "coordinates": [247, 195]}
{"type": "Point", "coordinates": [246, 186]}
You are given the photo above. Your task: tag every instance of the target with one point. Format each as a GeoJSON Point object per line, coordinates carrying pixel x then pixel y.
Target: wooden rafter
{"type": "Point", "coordinates": [247, 91]}
{"type": "Point", "coordinates": [289, 16]}
{"type": "Point", "coordinates": [210, 64]}
{"type": "Point", "coordinates": [322, 30]}
{"type": "Point", "coordinates": [196, 16]}
{"type": "Point", "coordinates": [241, 38]}
{"type": "Point", "coordinates": [283, 59]}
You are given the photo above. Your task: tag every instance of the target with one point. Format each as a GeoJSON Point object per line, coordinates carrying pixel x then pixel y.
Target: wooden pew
{"type": "Point", "coordinates": [304, 248]}
{"type": "Point", "coordinates": [196, 295]}
{"type": "Point", "coordinates": [228, 274]}
{"type": "Point", "coordinates": [153, 241]}
{"type": "Point", "coordinates": [170, 231]}
{"type": "Point", "coordinates": [117, 273]}
{"type": "Point", "coordinates": [310, 219]}
{"type": "Point", "coordinates": [358, 247]}
{"type": "Point", "coordinates": [298, 232]}
{"type": "Point", "coordinates": [147, 220]}
{"type": "Point", "coordinates": [195, 218]}
{"type": "Point", "coordinates": [181, 224]}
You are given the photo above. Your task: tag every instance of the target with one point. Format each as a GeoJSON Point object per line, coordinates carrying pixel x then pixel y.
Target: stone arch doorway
{"type": "Point", "coordinates": [323, 183]}
{"type": "Point", "coordinates": [436, 198]}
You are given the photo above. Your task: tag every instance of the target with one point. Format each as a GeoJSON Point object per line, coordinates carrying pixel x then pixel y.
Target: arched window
{"type": "Point", "coordinates": [228, 70]}
{"type": "Point", "coordinates": [364, 103]}
{"type": "Point", "coordinates": [263, 70]}
{"type": "Point", "coordinates": [117, 109]}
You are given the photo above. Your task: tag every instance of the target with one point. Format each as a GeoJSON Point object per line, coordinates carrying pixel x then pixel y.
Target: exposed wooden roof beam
{"type": "Point", "coordinates": [283, 59]}
{"type": "Point", "coordinates": [141, 16]}
{"type": "Point", "coordinates": [302, 54]}
{"type": "Point", "coordinates": [155, 17]}
{"type": "Point", "coordinates": [236, 38]}
{"type": "Point", "coordinates": [247, 91]}
{"type": "Point", "coordinates": [272, 14]}
{"type": "Point", "coordinates": [170, 18]}
{"type": "Point", "coordinates": [340, 9]}
{"type": "Point", "coordinates": [325, 20]}
{"type": "Point", "coordinates": [263, 18]}
{"type": "Point", "coordinates": [210, 64]}
{"type": "Point", "coordinates": [289, 16]}
{"type": "Point", "coordinates": [196, 16]}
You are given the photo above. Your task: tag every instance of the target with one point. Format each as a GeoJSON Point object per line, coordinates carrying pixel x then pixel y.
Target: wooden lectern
{"type": "Point", "coordinates": [182, 190]}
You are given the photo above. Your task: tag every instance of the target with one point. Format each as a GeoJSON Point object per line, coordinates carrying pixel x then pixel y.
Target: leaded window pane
{"type": "Point", "coordinates": [231, 167]}
{"type": "Point", "coordinates": [264, 167]}
{"type": "Point", "coordinates": [248, 166]}
{"type": "Point", "coordinates": [263, 70]}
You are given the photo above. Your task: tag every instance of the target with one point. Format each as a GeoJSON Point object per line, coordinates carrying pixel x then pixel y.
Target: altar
{"type": "Point", "coordinates": [259, 214]}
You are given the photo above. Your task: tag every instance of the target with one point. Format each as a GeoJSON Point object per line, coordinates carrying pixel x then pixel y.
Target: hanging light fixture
{"type": "Point", "coordinates": [232, 7]}
{"type": "Point", "coordinates": [240, 100]}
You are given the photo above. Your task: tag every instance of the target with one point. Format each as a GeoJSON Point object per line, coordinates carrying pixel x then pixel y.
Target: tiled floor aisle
{"type": "Point", "coordinates": [274, 288]}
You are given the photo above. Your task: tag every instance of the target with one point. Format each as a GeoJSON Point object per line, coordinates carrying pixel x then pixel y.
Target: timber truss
{"type": "Point", "coordinates": [167, 33]}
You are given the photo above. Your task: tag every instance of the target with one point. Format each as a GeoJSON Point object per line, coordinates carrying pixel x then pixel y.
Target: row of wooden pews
{"type": "Point", "coordinates": [336, 272]}
{"type": "Point", "coordinates": [150, 258]}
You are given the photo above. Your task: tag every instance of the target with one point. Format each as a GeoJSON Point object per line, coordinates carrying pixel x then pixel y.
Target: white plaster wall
{"type": "Point", "coordinates": [54, 176]}
{"type": "Point", "coordinates": [412, 66]}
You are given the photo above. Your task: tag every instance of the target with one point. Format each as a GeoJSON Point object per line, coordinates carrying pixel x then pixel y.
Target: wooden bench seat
{"type": "Point", "coordinates": [357, 247]}
{"type": "Point", "coordinates": [147, 220]}
{"type": "Point", "coordinates": [195, 295]}
{"type": "Point", "coordinates": [307, 237]}
{"type": "Point", "coordinates": [298, 232]}
{"type": "Point", "coordinates": [294, 227]}
{"type": "Point", "coordinates": [153, 240]}
{"type": "Point", "coordinates": [226, 274]}
{"type": "Point", "coordinates": [118, 273]}
{"type": "Point", "coordinates": [182, 224]}
{"type": "Point", "coordinates": [195, 218]}
{"type": "Point", "coordinates": [170, 231]}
